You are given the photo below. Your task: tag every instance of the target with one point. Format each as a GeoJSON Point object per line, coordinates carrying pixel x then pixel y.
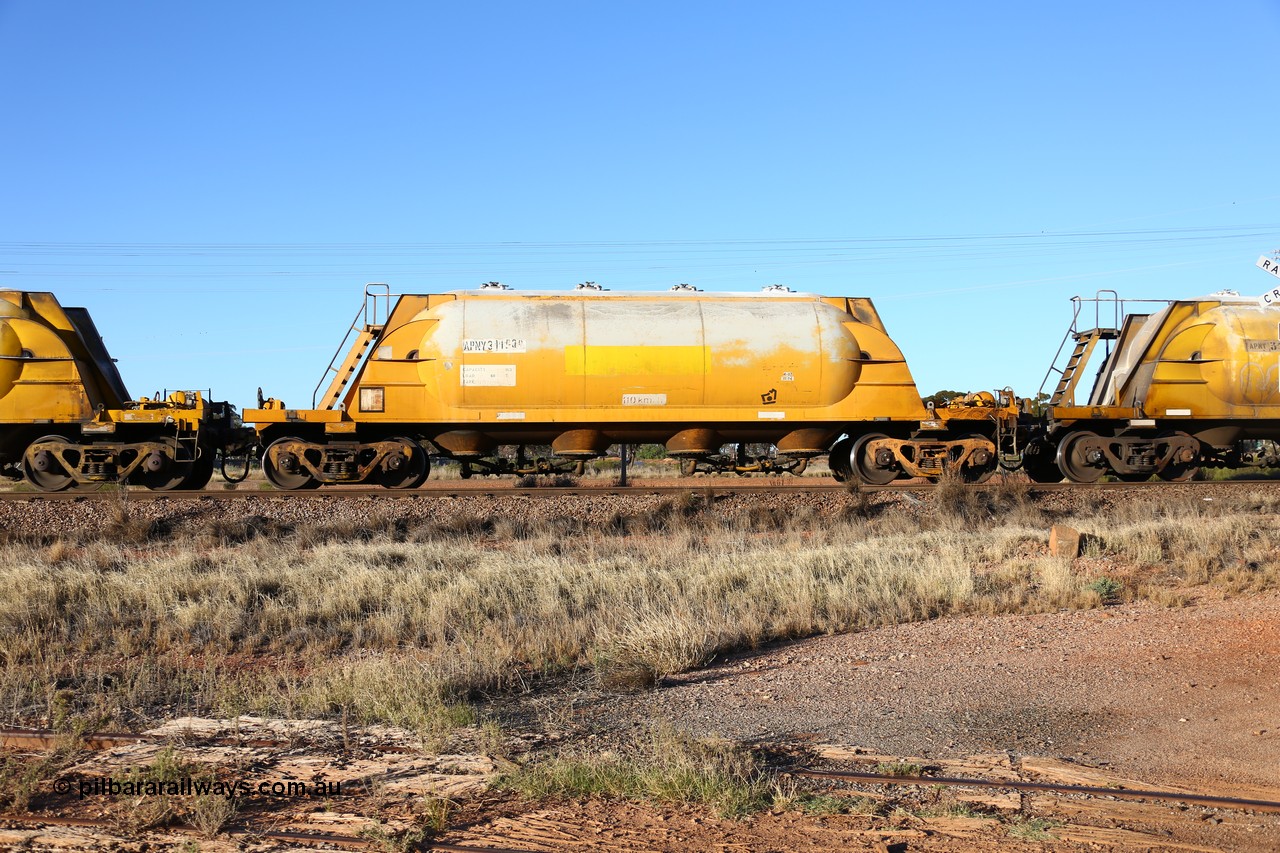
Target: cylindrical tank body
{"type": "Point", "coordinates": [546, 353]}
{"type": "Point", "coordinates": [472, 370]}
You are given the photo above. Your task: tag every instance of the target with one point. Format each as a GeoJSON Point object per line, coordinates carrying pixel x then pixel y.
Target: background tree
{"type": "Point", "coordinates": [941, 398]}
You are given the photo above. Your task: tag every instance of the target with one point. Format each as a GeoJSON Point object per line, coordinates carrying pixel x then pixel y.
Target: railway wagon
{"type": "Point", "coordinates": [1190, 383]}
{"type": "Point", "coordinates": [66, 419]}
{"type": "Point", "coordinates": [470, 372]}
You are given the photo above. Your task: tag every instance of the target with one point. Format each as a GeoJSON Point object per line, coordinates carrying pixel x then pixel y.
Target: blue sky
{"type": "Point", "coordinates": [217, 182]}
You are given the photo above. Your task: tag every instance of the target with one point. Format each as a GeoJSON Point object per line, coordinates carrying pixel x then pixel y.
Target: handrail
{"type": "Point", "coordinates": [1116, 307]}
{"type": "Point", "coordinates": [371, 299]}
{"type": "Point", "coordinates": [1120, 310]}
{"type": "Point", "coordinates": [1053, 363]}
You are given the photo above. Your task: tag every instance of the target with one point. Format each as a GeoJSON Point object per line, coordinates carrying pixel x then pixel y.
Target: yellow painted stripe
{"type": "Point", "coordinates": [635, 361]}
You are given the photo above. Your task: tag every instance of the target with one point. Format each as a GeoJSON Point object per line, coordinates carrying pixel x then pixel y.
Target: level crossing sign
{"type": "Point", "coordinates": [1270, 264]}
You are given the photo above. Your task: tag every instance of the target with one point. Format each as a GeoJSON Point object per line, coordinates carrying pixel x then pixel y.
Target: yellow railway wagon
{"type": "Point", "coordinates": [66, 419]}
{"type": "Point", "coordinates": [472, 371]}
{"type": "Point", "coordinates": [1194, 383]}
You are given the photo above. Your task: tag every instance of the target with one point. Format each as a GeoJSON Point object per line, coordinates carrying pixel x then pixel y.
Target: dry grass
{"type": "Point", "coordinates": [388, 621]}
{"type": "Point", "coordinates": [668, 768]}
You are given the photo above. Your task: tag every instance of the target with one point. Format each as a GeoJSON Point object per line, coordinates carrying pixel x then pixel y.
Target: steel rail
{"type": "Point", "coordinates": [1046, 787]}
{"type": "Point", "coordinates": [445, 490]}
{"type": "Point", "coordinates": [15, 738]}
{"type": "Point", "coordinates": [721, 488]}
{"type": "Point", "coordinates": [23, 738]}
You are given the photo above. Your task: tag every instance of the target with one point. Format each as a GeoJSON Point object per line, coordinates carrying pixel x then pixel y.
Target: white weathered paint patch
{"type": "Point", "coordinates": [488, 375]}
{"type": "Point", "coordinates": [644, 399]}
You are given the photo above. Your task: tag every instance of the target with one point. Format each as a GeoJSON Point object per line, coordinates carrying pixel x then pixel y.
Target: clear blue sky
{"type": "Point", "coordinates": [216, 182]}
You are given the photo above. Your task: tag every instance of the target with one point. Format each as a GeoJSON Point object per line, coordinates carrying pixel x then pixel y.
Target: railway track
{"type": "Point", "coordinates": [247, 833]}
{"type": "Point", "coordinates": [270, 830]}
{"type": "Point", "coordinates": [450, 489]}
{"type": "Point", "coordinates": [1206, 800]}
{"type": "Point", "coordinates": [20, 738]}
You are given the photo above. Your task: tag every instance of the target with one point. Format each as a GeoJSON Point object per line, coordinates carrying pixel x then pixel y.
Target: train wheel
{"type": "Point", "coordinates": [1178, 473]}
{"type": "Point", "coordinates": [1185, 463]}
{"type": "Point", "coordinates": [979, 472]}
{"type": "Point", "coordinates": [161, 472]}
{"type": "Point", "coordinates": [838, 461]}
{"type": "Point", "coordinates": [1080, 458]}
{"type": "Point", "coordinates": [42, 468]}
{"type": "Point", "coordinates": [688, 467]}
{"type": "Point", "coordinates": [869, 469]}
{"type": "Point", "coordinates": [201, 471]}
{"type": "Point", "coordinates": [1041, 467]}
{"type": "Point", "coordinates": [465, 471]}
{"type": "Point", "coordinates": [283, 468]}
{"type": "Point", "coordinates": [405, 471]}
{"type": "Point", "coordinates": [975, 474]}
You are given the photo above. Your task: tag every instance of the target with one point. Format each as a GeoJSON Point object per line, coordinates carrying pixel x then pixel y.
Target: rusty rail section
{"type": "Point", "coordinates": [48, 739]}
{"type": "Point", "coordinates": [19, 738]}
{"type": "Point", "coordinates": [449, 489]}
{"type": "Point", "coordinates": [1046, 787]}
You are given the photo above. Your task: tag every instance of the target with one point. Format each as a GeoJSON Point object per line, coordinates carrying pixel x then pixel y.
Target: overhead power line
{"type": "Point", "coordinates": [1090, 236]}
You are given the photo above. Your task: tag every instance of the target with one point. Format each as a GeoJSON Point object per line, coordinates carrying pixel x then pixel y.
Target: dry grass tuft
{"type": "Point", "coordinates": [670, 768]}
{"type": "Point", "coordinates": [650, 646]}
{"type": "Point", "coordinates": [1004, 501]}
{"type": "Point", "coordinates": [858, 506]}
{"type": "Point", "coordinates": [672, 515]}
{"type": "Point", "coordinates": [463, 525]}
{"type": "Point", "coordinates": [226, 532]}
{"type": "Point", "coordinates": [124, 526]}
